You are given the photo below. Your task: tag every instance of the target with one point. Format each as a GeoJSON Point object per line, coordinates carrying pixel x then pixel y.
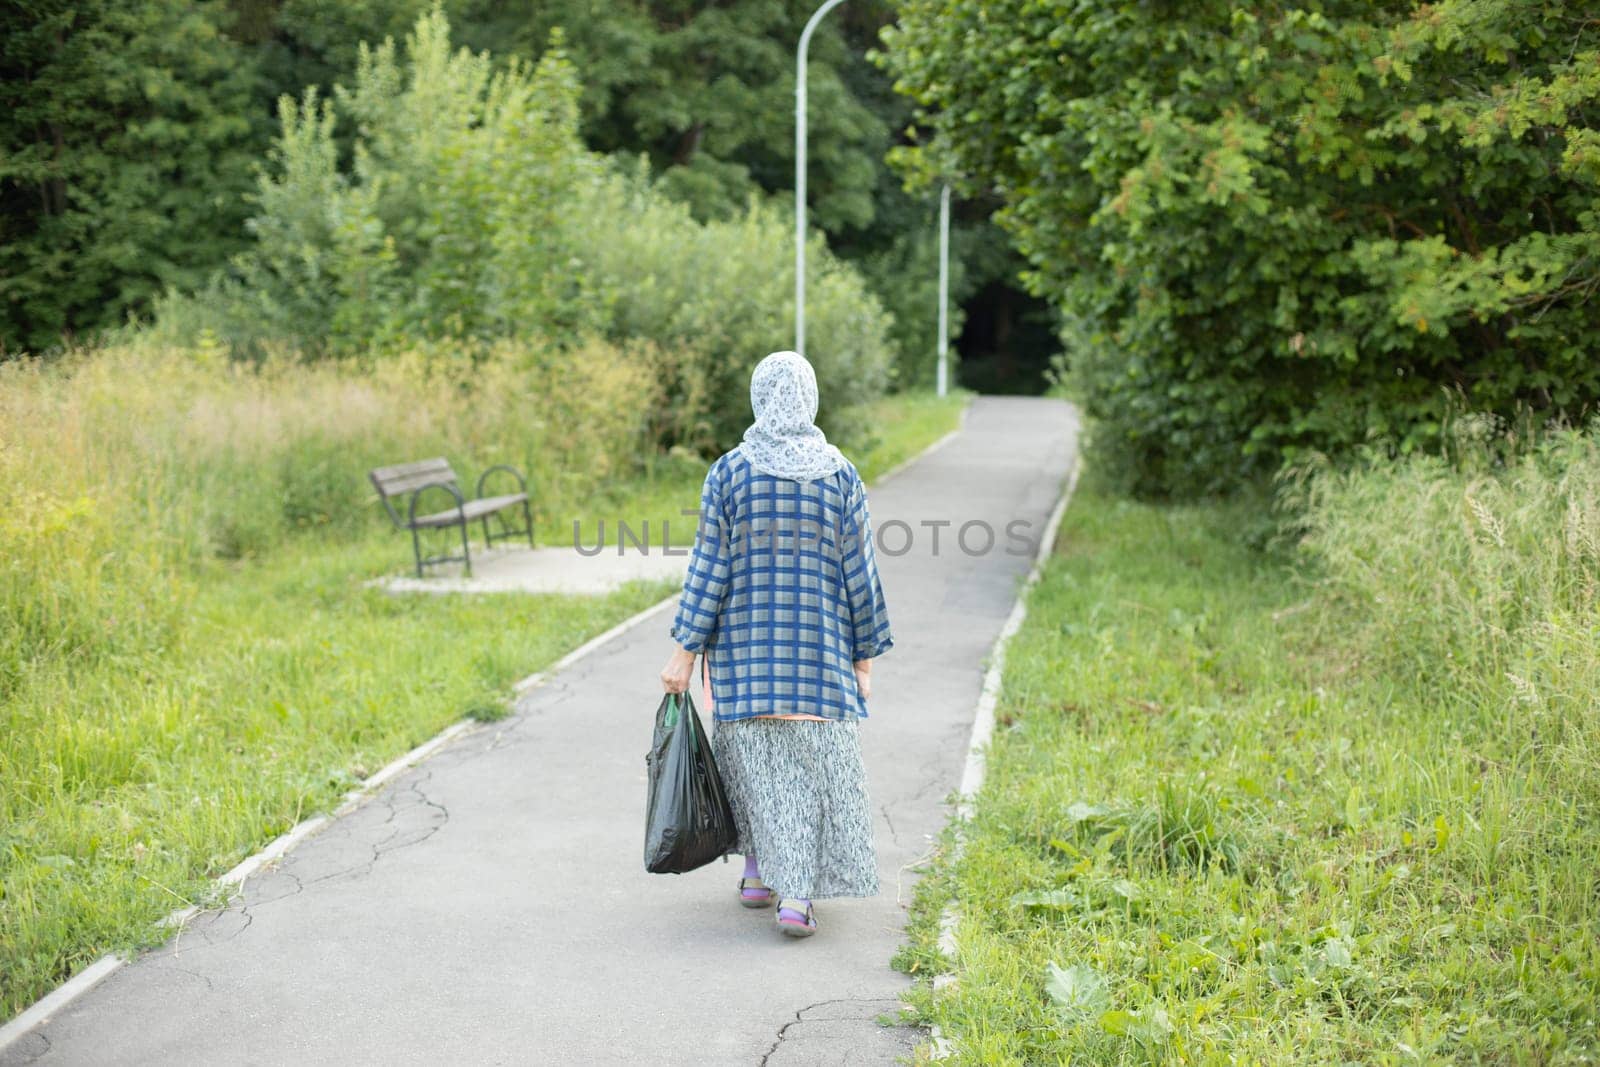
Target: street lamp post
{"type": "Point", "coordinates": [800, 175]}
{"type": "Point", "coordinates": [944, 288]}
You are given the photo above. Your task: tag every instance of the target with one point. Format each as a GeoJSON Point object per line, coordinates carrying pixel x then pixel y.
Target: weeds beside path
{"type": "Point", "coordinates": [1231, 817]}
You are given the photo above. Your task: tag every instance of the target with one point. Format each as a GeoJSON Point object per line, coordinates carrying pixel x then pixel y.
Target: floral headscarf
{"type": "Point", "coordinates": [784, 441]}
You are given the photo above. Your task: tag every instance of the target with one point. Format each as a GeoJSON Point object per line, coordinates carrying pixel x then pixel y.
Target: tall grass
{"type": "Point", "coordinates": [1472, 587]}
{"type": "Point", "coordinates": [1477, 580]}
{"type": "Point", "coordinates": [1339, 807]}
{"type": "Point", "coordinates": [119, 466]}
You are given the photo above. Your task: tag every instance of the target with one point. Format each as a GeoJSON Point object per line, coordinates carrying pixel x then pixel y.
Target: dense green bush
{"type": "Point", "coordinates": [706, 91]}
{"type": "Point", "coordinates": [442, 220]}
{"type": "Point", "coordinates": [128, 127]}
{"type": "Point", "coordinates": [470, 210]}
{"type": "Point", "coordinates": [719, 296]}
{"type": "Point", "coordinates": [1282, 227]}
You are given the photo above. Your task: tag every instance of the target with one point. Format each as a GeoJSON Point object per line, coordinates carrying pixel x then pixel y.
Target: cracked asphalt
{"type": "Point", "coordinates": [490, 906]}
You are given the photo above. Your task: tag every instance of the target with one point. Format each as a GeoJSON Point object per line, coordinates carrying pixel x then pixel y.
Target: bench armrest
{"type": "Point", "coordinates": [416, 495]}
{"type": "Point", "coordinates": [384, 499]}
{"type": "Point", "coordinates": [522, 482]}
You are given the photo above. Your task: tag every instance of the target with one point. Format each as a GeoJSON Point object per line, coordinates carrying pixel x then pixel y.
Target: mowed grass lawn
{"type": "Point", "coordinates": [128, 782]}
{"type": "Point", "coordinates": [1318, 807]}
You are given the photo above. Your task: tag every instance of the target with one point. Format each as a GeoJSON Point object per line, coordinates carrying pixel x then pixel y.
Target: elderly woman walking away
{"type": "Point", "coordinates": [783, 600]}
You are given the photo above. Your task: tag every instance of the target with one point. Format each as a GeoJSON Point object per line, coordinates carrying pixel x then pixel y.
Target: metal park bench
{"type": "Point", "coordinates": [435, 474]}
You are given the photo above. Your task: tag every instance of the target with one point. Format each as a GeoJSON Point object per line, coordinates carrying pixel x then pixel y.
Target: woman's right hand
{"type": "Point", "coordinates": [675, 675]}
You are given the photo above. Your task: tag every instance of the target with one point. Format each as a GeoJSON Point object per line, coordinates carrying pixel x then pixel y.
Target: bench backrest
{"type": "Point", "coordinates": [409, 477]}
{"type": "Point", "coordinates": [406, 477]}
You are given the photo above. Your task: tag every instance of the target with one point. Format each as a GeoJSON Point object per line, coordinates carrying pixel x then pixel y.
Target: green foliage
{"type": "Point", "coordinates": [300, 44]}
{"type": "Point", "coordinates": [1282, 228]}
{"type": "Point", "coordinates": [719, 296]}
{"type": "Point", "coordinates": [470, 210]}
{"type": "Point", "coordinates": [1488, 597]}
{"type": "Point", "coordinates": [707, 95]}
{"type": "Point", "coordinates": [1233, 815]}
{"type": "Point", "coordinates": [707, 91]}
{"type": "Point", "coordinates": [905, 278]}
{"type": "Point", "coordinates": [445, 222]}
{"type": "Point", "coordinates": [125, 140]}
{"type": "Point", "coordinates": [118, 471]}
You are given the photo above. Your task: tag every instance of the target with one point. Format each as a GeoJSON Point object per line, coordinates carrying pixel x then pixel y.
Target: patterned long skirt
{"type": "Point", "coordinates": [799, 795]}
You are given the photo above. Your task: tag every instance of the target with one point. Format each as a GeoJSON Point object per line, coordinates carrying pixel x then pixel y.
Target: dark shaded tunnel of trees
{"type": "Point", "coordinates": [1007, 341]}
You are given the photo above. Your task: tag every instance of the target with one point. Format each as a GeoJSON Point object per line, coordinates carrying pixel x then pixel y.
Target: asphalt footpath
{"type": "Point", "coordinates": [490, 905]}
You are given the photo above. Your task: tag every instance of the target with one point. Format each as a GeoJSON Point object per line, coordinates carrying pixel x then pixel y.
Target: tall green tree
{"type": "Point", "coordinates": [1284, 227]}
{"type": "Point", "coordinates": [706, 91]}
{"type": "Point", "coordinates": [126, 132]}
{"type": "Point", "coordinates": [110, 193]}
{"type": "Point", "coordinates": [298, 44]}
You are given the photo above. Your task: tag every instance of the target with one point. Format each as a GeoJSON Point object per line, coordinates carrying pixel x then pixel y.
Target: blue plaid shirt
{"type": "Point", "coordinates": [782, 593]}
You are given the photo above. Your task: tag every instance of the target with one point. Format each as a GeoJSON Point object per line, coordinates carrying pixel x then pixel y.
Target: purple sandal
{"type": "Point", "coordinates": [753, 894]}
{"type": "Point", "coordinates": [793, 923]}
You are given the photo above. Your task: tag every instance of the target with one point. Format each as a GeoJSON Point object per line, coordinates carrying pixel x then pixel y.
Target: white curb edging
{"type": "Point", "coordinates": [58, 998]}
{"type": "Point", "coordinates": [46, 1007]}
{"type": "Point", "coordinates": [534, 681]}
{"type": "Point", "coordinates": [42, 1010]}
{"type": "Point", "coordinates": [972, 774]}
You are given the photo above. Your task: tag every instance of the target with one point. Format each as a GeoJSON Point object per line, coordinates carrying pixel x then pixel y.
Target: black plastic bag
{"type": "Point", "coordinates": [688, 821]}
